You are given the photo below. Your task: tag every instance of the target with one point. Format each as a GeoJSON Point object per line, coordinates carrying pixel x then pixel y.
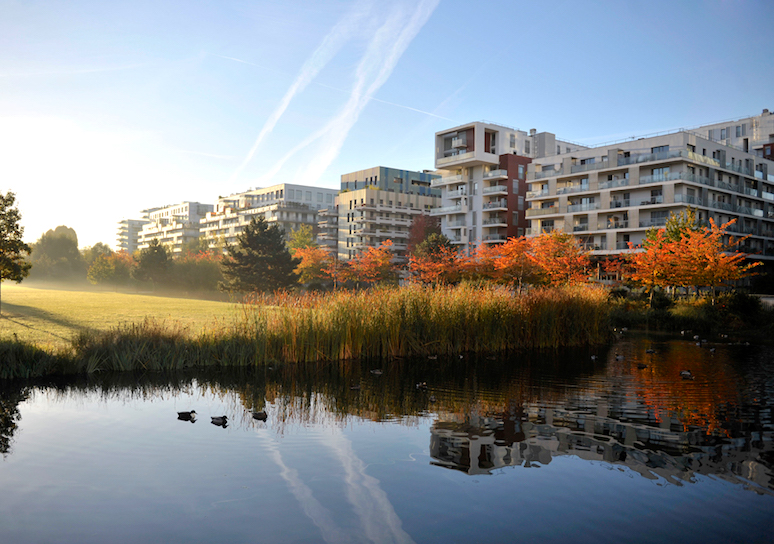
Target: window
{"type": "Point", "coordinates": [526, 147]}
{"type": "Point", "coordinates": [515, 186]}
{"type": "Point", "coordinates": [521, 202]}
{"type": "Point", "coordinates": [692, 148]}
{"type": "Point", "coordinates": [319, 197]}
{"type": "Point", "coordinates": [558, 149]}
{"type": "Point", "coordinates": [659, 149]}
{"type": "Point", "coordinates": [513, 141]}
{"type": "Point", "coordinates": [723, 134]}
{"type": "Point", "coordinates": [738, 131]}
{"type": "Point", "coordinates": [329, 199]}
{"type": "Point", "coordinates": [309, 196]}
{"type": "Point", "coordinates": [520, 232]}
{"type": "Point", "coordinates": [521, 171]}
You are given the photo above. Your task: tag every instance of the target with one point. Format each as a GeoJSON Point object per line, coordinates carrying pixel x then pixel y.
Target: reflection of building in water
{"type": "Point", "coordinates": [655, 448]}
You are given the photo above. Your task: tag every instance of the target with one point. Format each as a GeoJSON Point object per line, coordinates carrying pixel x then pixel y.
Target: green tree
{"type": "Point", "coordinates": [55, 256]}
{"type": "Point", "coordinates": [13, 265]}
{"type": "Point", "coordinates": [152, 264]}
{"type": "Point", "coordinates": [435, 244]}
{"type": "Point", "coordinates": [301, 238]}
{"type": "Point", "coordinates": [91, 253]}
{"type": "Point", "coordinates": [260, 260]}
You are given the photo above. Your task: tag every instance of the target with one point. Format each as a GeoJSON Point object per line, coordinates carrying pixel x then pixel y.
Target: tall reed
{"type": "Point", "coordinates": [381, 323]}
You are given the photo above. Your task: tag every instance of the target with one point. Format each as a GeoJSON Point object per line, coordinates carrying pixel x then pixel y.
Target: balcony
{"type": "Point", "coordinates": [612, 184]}
{"type": "Point", "coordinates": [544, 192]}
{"type": "Point", "coordinates": [620, 203]}
{"type": "Point", "coordinates": [496, 174]}
{"type": "Point", "coordinates": [660, 178]}
{"type": "Point", "coordinates": [457, 157]}
{"type": "Point", "coordinates": [495, 222]}
{"type": "Point", "coordinates": [457, 193]}
{"type": "Point", "coordinates": [718, 205]}
{"type": "Point", "coordinates": [449, 209]}
{"type": "Point", "coordinates": [583, 207]}
{"type": "Point", "coordinates": [660, 222]}
{"type": "Point", "coordinates": [547, 173]}
{"type": "Point", "coordinates": [622, 245]}
{"type": "Point", "coordinates": [613, 225]}
{"type": "Point", "coordinates": [582, 227]}
{"type": "Point", "coordinates": [653, 200]}
{"type": "Point", "coordinates": [751, 191]}
{"type": "Point", "coordinates": [729, 186]}
{"type": "Point", "coordinates": [650, 157]}
{"type": "Point", "coordinates": [533, 212]}
{"type": "Point", "coordinates": [494, 238]}
{"type": "Point", "coordinates": [688, 199]}
{"type": "Point", "coordinates": [455, 224]}
{"type": "Point", "coordinates": [572, 189]}
{"type": "Point", "coordinates": [541, 230]}
{"type": "Point", "coordinates": [589, 166]}
{"type": "Point", "coordinates": [495, 189]}
{"type": "Point", "coordinates": [446, 181]}
{"type": "Point", "coordinates": [458, 143]}
{"type": "Point", "coordinates": [496, 205]}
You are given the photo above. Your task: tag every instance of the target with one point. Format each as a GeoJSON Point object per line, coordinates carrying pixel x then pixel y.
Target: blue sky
{"type": "Point", "coordinates": [107, 108]}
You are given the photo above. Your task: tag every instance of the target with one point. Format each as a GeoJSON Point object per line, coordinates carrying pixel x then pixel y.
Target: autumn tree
{"type": "Point", "coordinates": [13, 250]}
{"type": "Point", "coordinates": [197, 271]}
{"type": "Point", "coordinates": [260, 260]}
{"type": "Point", "coordinates": [301, 238]}
{"type": "Point", "coordinates": [422, 227]}
{"type": "Point", "coordinates": [91, 253]}
{"type": "Point", "coordinates": [313, 263]}
{"type": "Point", "coordinates": [514, 265]}
{"type": "Point", "coordinates": [653, 267]}
{"type": "Point", "coordinates": [560, 259]}
{"type": "Point", "coordinates": [443, 265]}
{"type": "Point", "coordinates": [373, 265]}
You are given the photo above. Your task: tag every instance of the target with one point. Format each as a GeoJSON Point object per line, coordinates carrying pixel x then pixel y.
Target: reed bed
{"type": "Point", "coordinates": [380, 323]}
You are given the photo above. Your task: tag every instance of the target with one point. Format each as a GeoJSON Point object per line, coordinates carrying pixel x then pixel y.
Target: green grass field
{"type": "Point", "coordinates": [50, 317]}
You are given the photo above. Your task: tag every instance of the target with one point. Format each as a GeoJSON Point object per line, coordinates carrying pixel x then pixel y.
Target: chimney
{"type": "Point", "coordinates": [532, 131]}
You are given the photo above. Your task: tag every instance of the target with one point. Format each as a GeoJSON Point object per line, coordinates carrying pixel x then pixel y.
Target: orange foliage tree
{"type": "Point", "coordinates": [560, 258]}
{"type": "Point", "coordinates": [442, 266]}
{"type": "Point", "coordinates": [373, 265]}
{"type": "Point", "coordinates": [652, 267]}
{"type": "Point", "coordinates": [514, 265]}
{"type": "Point", "coordinates": [314, 263]}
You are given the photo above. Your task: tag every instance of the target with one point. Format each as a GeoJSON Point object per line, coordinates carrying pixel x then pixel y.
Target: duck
{"type": "Point", "coordinates": [260, 415]}
{"type": "Point", "coordinates": [187, 416]}
{"type": "Point", "coordinates": [354, 387]}
{"type": "Point", "coordinates": [422, 385]}
{"type": "Point", "coordinates": [619, 357]}
{"type": "Point", "coordinates": [642, 366]}
{"type": "Point", "coordinates": [594, 357]}
{"type": "Point", "coordinates": [651, 350]}
{"type": "Point", "coordinates": [433, 357]}
{"type": "Point", "coordinates": [376, 372]}
{"type": "Point", "coordinates": [686, 374]}
{"type": "Point", "coordinates": [219, 420]}
{"type": "Point", "coordinates": [432, 398]}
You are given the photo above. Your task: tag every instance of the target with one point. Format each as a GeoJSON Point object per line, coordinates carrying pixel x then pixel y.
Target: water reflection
{"type": "Point", "coordinates": [626, 407]}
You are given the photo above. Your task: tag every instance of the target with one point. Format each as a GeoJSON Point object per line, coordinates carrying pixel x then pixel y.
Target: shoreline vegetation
{"type": "Point", "coordinates": [380, 323]}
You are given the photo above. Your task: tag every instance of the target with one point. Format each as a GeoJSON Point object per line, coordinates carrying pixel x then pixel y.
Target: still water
{"type": "Point", "coordinates": [541, 447]}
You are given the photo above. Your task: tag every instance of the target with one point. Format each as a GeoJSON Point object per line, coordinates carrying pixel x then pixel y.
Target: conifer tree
{"type": "Point", "coordinates": [259, 261]}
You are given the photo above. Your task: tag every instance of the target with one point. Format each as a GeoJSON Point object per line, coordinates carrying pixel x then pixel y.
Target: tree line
{"type": "Point", "coordinates": [684, 254]}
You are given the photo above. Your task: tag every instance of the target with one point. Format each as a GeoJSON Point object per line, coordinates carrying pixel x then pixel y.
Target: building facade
{"type": "Point", "coordinates": [484, 185]}
{"type": "Point", "coordinates": [128, 235]}
{"type": "Point", "coordinates": [288, 205]}
{"type": "Point", "coordinates": [174, 226]}
{"type": "Point", "coordinates": [609, 196]}
{"type": "Point", "coordinates": [379, 204]}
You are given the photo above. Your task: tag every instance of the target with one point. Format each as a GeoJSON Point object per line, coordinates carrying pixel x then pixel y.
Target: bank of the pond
{"type": "Point", "coordinates": [380, 323]}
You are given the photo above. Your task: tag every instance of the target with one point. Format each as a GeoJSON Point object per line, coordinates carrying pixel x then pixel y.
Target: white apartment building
{"type": "Point", "coordinates": [128, 234]}
{"type": "Point", "coordinates": [288, 205]}
{"type": "Point", "coordinates": [174, 226]}
{"type": "Point", "coordinates": [484, 188]}
{"type": "Point", "coordinates": [379, 204]}
{"type": "Point", "coordinates": [609, 196]}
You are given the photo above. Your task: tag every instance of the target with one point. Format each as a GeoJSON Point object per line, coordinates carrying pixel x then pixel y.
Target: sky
{"type": "Point", "coordinates": [111, 107]}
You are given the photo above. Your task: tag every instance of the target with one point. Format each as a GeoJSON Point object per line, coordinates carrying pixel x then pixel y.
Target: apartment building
{"type": "Point", "coordinates": [128, 235]}
{"type": "Point", "coordinates": [174, 226]}
{"type": "Point", "coordinates": [484, 186]}
{"type": "Point", "coordinates": [379, 204]}
{"type": "Point", "coordinates": [288, 205]}
{"type": "Point", "coordinates": [609, 196]}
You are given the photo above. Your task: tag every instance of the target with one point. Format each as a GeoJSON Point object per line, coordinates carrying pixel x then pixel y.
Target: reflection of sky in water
{"type": "Point", "coordinates": [119, 467]}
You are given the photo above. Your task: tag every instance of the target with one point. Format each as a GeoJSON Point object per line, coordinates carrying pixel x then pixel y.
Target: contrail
{"type": "Point", "coordinates": [330, 45]}
{"type": "Point", "coordinates": [383, 53]}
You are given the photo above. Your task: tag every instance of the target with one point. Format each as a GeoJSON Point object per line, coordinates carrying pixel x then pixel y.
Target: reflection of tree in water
{"type": "Point", "coordinates": [10, 398]}
{"type": "Point", "coordinates": [523, 411]}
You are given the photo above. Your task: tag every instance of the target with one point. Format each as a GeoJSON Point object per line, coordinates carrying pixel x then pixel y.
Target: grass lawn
{"type": "Point", "coordinates": [51, 317]}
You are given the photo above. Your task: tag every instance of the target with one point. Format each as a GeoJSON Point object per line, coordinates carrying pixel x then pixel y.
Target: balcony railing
{"type": "Point", "coordinates": [613, 183]}
{"type": "Point", "coordinates": [751, 191]}
{"type": "Point", "coordinates": [448, 209]}
{"type": "Point", "coordinates": [459, 142]}
{"type": "Point", "coordinates": [583, 227]}
{"type": "Point", "coordinates": [446, 180]}
{"type": "Point", "coordinates": [589, 166]}
{"type": "Point", "coordinates": [494, 221]}
{"type": "Point", "coordinates": [649, 157]}
{"type": "Point", "coordinates": [496, 204]}
{"type": "Point", "coordinates": [613, 225]}
{"type": "Point", "coordinates": [496, 174]}
{"type": "Point", "coordinates": [688, 199]}
{"type": "Point", "coordinates": [653, 200]}
{"type": "Point", "coordinates": [532, 212]}
{"type": "Point", "coordinates": [572, 189]}
{"type": "Point", "coordinates": [542, 192]}
{"type": "Point", "coordinates": [583, 207]}
{"type": "Point", "coordinates": [660, 178]}
{"type": "Point", "coordinates": [622, 203]}
{"type": "Point", "coordinates": [495, 238]}
{"type": "Point", "coordinates": [457, 193]}
{"type": "Point", "coordinates": [495, 189]}
{"type": "Point", "coordinates": [660, 222]}
{"type": "Point", "coordinates": [454, 158]}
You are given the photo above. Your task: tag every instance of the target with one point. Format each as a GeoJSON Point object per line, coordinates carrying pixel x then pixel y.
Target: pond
{"type": "Point", "coordinates": [595, 445]}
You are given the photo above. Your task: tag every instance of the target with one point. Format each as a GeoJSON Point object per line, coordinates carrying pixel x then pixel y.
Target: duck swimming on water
{"type": "Point", "coordinates": [220, 421]}
{"type": "Point", "coordinates": [187, 416]}
{"type": "Point", "coordinates": [260, 415]}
